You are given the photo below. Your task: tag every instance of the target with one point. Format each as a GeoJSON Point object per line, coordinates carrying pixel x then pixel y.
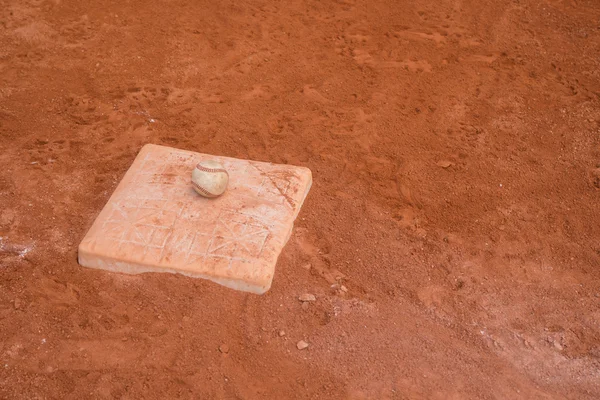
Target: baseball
{"type": "Point", "coordinates": [209, 178]}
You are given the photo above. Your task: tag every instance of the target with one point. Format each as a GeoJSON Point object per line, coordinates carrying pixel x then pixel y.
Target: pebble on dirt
{"type": "Point", "coordinates": [224, 349]}
{"type": "Point", "coordinates": [307, 297]}
{"type": "Point", "coordinates": [301, 345]}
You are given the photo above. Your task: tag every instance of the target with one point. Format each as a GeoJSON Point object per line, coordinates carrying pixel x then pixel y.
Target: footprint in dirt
{"type": "Point", "coordinates": [426, 37]}
{"type": "Point", "coordinates": [8, 220]}
{"type": "Point", "coordinates": [595, 177]}
{"type": "Point", "coordinates": [411, 215]}
{"type": "Point", "coordinates": [318, 257]}
{"type": "Point", "coordinates": [259, 92]}
{"type": "Point", "coordinates": [409, 65]}
{"type": "Point", "coordinates": [362, 57]}
{"type": "Point", "coordinates": [77, 31]}
{"type": "Point", "coordinates": [57, 293]}
{"type": "Point", "coordinates": [312, 94]}
{"type": "Point", "coordinates": [11, 252]}
{"type": "Point", "coordinates": [86, 110]}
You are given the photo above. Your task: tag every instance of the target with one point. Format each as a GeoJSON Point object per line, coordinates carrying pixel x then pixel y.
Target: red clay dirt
{"type": "Point", "coordinates": [451, 237]}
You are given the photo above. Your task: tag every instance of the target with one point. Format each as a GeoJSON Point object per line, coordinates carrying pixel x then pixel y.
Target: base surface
{"type": "Point", "coordinates": [155, 222]}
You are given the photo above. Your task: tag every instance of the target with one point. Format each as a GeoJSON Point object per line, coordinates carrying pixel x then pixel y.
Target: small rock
{"type": "Point", "coordinates": [17, 304]}
{"type": "Point", "coordinates": [281, 333]}
{"type": "Point", "coordinates": [444, 163]}
{"type": "Point", "coordinates": [344, 289]}
{"type": "Point", "coordinates": [307, 266]}
{"type": "Point", "coordinates": [301, 345]}
{"type": "Point", "coordinates": [305, 306]}
{"type": "Point", "coordinates": [558, 346]}
{"type": "Point", "coordinates": [420, 232]}
{"type": "Point", "coordinates": [307, 297]}
{"type": "Point", "coordinates": [224, 349]}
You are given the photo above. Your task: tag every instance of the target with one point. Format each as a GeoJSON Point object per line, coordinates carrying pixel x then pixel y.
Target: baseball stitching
{"type": "Point", "coordinates": [203, 190]}
{"type": "Point", "coordinates": [205, 169]}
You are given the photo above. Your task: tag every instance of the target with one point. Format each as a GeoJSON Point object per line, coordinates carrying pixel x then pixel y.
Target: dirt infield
{"type": "Point", "coordinates": [451, 237]}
